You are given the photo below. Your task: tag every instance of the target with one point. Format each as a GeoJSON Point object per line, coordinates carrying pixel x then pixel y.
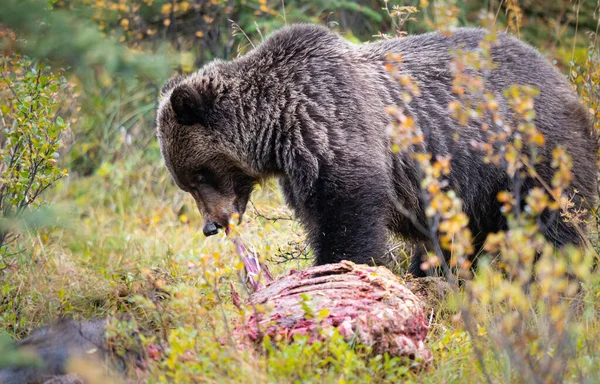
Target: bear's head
{"type": "Point", "coordinates": [195, 129]}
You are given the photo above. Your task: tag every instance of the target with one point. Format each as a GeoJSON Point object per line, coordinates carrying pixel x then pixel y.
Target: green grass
{"type": "Point", "coordinates": [130, 242]}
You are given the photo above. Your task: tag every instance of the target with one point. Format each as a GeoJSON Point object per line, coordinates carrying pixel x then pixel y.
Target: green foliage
{"type": "Point", "coordinates": [115, 121]}
{"type": "Point", "coordinates": [69, 38]}
{"type": "Point", "coordinates": [134, 246]}
{"type": "Point", "coordinates": [30, 138]}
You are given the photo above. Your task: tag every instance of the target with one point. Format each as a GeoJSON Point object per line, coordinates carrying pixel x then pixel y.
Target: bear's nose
{"type": "Point", "coordinates": [211, 228]}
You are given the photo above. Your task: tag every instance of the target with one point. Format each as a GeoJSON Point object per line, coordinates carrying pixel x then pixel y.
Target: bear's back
{"type": "Point", "coordinates": [427, 60]}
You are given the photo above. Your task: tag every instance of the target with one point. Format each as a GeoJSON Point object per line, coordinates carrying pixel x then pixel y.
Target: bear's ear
{"type": "Point", "coordinates": [170, 84]}
{"type": "Point", "coordinates": [190, 106]}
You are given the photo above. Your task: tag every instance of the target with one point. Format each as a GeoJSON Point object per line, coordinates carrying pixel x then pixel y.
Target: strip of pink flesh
{"type": "Point", "coordinates": [251, 263]}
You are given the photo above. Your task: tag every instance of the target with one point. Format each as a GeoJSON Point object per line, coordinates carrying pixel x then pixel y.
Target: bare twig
{"type": "Point", "coordinates": [284, 15]}
{"type": "Point", "coordinates": [299, 252]}
{"type": "Point", "coordinates": [273, 219]}
{"type": "Point", "coordinates": [236, 28]}
{"type": "Point", "coordinates": [259, 32]}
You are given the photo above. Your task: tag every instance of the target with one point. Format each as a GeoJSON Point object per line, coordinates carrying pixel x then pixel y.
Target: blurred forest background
{"type": "Point", "coordinates": [93, 225]}
{"type": "Point", "coordinates": [118, 53]}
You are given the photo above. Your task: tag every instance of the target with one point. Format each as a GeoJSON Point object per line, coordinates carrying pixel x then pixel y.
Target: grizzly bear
{"type": "Point", "coordinates": [308, 107]}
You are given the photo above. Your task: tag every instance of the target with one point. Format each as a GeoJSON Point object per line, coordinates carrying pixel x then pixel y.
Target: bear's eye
{"type": "Point", "coordinates": [203, 177]}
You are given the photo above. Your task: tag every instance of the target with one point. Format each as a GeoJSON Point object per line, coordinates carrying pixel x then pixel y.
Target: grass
{"type": "Point", "coordinates": [130, 241]}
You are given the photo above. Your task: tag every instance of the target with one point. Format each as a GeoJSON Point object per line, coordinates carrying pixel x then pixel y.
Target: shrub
{"type": "Point", "coordinates": [29, 139]}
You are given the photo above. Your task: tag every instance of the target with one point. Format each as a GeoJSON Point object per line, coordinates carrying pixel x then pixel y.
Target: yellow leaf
{"type": "Point", "coordinates": [166, 9]}
{"type": "Point", "coordinates": [323, 314]}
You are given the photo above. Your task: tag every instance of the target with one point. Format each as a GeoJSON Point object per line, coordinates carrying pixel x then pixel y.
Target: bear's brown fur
{"type": "Point", "coordinates": [309, 107]}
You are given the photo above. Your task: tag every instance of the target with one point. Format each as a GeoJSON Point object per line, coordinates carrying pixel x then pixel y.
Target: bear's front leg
{"type": "Point", "coordinates": [347, 219]}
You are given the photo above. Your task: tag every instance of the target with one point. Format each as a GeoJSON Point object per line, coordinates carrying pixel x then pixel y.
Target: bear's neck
{"type": "Point", "coordinates": [270, 130]}
{"type": "Point", "coordinates": [290, 108]}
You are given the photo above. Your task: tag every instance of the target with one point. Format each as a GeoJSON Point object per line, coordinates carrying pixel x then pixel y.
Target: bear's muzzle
{"type": "Point", "coordinates": [211, 228]}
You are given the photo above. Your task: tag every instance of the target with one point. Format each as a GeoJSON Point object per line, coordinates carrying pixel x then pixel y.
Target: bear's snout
{"type": "Point", "coordinates": [211, 228]}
